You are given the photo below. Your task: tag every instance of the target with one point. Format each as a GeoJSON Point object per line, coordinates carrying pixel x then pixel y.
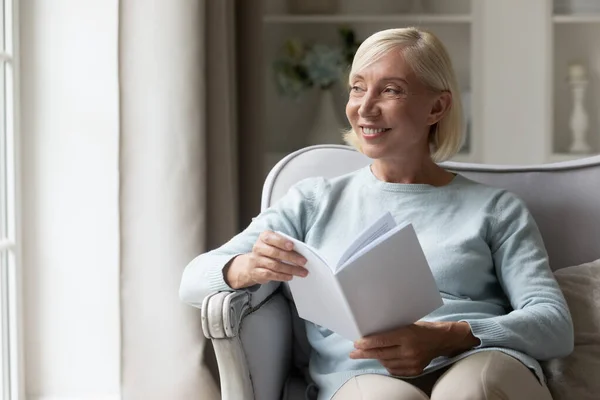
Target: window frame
{"type": "Point", "coordinates": [11, 321]}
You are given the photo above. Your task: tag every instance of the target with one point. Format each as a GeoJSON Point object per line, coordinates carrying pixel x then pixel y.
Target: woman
{"type": "Point", "coordinates": [502, 309]}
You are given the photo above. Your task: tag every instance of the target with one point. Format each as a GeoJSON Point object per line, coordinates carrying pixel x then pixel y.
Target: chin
{"type": "Point", "coordinates": [373, 152]}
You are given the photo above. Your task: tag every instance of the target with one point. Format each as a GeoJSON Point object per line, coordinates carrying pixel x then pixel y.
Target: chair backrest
{"type": "Point", "coordinates": [564, 198]}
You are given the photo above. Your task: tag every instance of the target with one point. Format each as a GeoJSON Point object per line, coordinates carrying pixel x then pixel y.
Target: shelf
{"type": "Point", "coordinates": [576, 18]}
{"type": "Point", "coordinates": [351, 18]}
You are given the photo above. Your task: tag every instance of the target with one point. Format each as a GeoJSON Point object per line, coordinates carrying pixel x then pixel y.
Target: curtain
{"type": "Point", "coordinates": [179, 177]}
{"type": "Point", "coordinates": [251, 137]}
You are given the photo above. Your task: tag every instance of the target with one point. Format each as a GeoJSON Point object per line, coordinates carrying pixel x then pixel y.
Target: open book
{"type": "Point", "coordinates": [381, 282]}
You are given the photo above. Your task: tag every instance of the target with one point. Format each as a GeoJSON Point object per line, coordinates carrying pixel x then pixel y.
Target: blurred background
{"type": "Point", "coordinates": [521, 66]}
{"type": "Point", "coordinates": [136, 134]}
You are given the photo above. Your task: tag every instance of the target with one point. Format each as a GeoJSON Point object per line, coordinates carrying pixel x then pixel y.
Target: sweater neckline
{"type": "Point", "coordinates": [373, 181]}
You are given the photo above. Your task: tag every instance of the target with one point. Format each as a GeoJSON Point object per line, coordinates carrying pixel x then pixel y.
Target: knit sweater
{"type": "Point", "coordinates": [482, 245]}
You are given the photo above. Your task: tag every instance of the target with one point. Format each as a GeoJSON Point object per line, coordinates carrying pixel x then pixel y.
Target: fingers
{"type": "Point", "coordinates": [394, 360]}
{"type": "Point", "coordinates": [276, 240]}
{"type": "Point", "coordinates": [263, 275]}
{"type": "Point", "coordinates": [276, 266]}
{"type": "Point", "coordinates": [383, 353]}
{"type": "Point", "coordinates": [399, 360]}
{"type": "Point", "coordinates": [382, 340]}
{"type": "Point", "coordinates": [273, 259]}
{"type": "Point", "coordinates": [399, 367]}
{"type": "Point", "coordinates": [270, 245]}
{"type": "Point", "coordinates": [290, 257]}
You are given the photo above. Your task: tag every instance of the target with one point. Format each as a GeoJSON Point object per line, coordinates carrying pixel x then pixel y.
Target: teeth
{"type": "Point", "coordinates": [371, 131]}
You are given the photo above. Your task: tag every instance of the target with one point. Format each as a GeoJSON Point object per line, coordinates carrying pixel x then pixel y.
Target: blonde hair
{"type": "Point", "coordinates": [429, 60]}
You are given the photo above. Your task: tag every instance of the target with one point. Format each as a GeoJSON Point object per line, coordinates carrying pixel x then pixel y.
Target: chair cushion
{"type": "Point", "coordinates": [577, 376]}
{"type": "Point", "coordinates": [299, 384]}
{"type": "Point", "coordinates": [295, 388]}
{"type": "Point", "coordinates": [266, 336]}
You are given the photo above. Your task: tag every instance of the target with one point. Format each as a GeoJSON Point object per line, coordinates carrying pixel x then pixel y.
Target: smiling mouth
{"type": "Point", "coordinates": [371, 133]}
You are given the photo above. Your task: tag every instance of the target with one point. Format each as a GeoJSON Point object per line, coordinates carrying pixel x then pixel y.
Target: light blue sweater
{"type": "Point", "coordinates": [483, 247]}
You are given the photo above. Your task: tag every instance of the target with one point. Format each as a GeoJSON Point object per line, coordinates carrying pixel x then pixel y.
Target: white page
{"type": "Point", "coordinates": [372, 244]}
{"type": "Point", "coordinates": [384, 224]}
{"type": "Point", "coordinates": [391, 285]}
{"type": "Point", "coordinates": [318, 297]}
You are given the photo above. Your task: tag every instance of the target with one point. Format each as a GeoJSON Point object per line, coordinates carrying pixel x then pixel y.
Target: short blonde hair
{"type": "Point", "coordinates": [429, 60]}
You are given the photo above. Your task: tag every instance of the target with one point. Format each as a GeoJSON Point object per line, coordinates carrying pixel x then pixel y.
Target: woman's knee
{"type": "Point", "coordinates": [488, 375]}
{"type": "Point", "coordinates": [378, 387]}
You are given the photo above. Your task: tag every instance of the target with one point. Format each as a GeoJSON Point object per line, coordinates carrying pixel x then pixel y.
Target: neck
{"type": "Point", "coordinates": [420, 170]}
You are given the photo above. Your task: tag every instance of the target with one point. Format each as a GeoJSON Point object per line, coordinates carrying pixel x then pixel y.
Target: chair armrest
{"type": "Point", "coordinates": [252, 343]}
{"type": "Point", "coordinates": [222, 314]}
{"type": "Point", "coordinates": [221, 319]}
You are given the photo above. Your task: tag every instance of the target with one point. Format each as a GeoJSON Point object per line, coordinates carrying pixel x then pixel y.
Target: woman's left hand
{"type": "Point", "coordinates": [408, 350]}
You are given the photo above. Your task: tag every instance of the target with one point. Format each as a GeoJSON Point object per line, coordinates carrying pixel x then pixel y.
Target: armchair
{"type": "Point", "coordinates": [258, 339]}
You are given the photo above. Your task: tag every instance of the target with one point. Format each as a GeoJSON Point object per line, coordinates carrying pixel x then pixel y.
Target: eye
{"type": "Point", "coordinates": [355, 89]}
{"type": "Point", "coordinates": [394, 91]}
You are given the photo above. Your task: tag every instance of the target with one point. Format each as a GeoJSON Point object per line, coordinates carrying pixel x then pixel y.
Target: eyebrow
{"type": "Point", "coordinates": [386, 78]}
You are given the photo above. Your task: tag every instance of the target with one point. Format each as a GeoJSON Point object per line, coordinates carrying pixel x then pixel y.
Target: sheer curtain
{"type": "Point", "coordinates": [179, 180]}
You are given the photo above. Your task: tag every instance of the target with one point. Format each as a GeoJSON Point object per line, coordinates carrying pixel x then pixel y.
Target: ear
{"type": "Point", "coordinates": [440, 107]}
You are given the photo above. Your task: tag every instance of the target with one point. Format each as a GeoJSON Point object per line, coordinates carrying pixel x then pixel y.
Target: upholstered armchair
{"type": "Point", "coordinates": [259, 341]}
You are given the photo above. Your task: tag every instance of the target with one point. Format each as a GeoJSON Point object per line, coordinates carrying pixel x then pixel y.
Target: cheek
{"type": "Point", "coordinates": [420, 111]}
{"type": "Point", "coordinates": [351, 110]}
{"type": "Point", "coordinates": [411, 116]}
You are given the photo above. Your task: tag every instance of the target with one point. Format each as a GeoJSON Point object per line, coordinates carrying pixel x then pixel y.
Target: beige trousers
{"type": "Point", "coordinates": [488, 375]}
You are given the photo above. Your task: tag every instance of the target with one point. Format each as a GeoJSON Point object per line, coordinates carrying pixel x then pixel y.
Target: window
{"type": "Point", "coordinates": [10, 354]}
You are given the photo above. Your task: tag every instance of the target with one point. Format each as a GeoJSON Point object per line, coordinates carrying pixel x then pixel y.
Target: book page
{"type": "Point", "coordinates": [390, 285]}
{"type": "Point", "coordinates": [384, 224]}
{"type": "Point", "coordinates": [302, 248]}
{"type": "Point", "coordinates": [318, 297]}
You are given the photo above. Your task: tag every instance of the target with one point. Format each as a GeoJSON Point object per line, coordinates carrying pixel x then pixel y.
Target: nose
{"type": "Point", "coordinates": [368, 106]}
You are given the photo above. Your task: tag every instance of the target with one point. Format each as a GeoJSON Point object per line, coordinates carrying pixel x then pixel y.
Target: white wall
{"type": "Point", "coordinates": [516, 77]}
{"type": "Point", "coordinates": [70, 198]}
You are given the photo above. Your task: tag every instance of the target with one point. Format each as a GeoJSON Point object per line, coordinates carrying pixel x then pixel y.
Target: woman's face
{"type": "Point", "coordinates": [390, 110]}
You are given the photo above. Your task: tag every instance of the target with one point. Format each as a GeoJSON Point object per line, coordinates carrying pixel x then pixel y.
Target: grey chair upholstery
{"type": "Point", "coordinates": [253, 334]}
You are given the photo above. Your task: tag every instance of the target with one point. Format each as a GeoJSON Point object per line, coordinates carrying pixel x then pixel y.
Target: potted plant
{"type": "Point", "coordinates": [302, 66]}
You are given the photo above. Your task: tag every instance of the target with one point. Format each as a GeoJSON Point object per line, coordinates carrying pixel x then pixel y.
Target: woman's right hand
{"type": "Point", "coordinates": [272, 259]}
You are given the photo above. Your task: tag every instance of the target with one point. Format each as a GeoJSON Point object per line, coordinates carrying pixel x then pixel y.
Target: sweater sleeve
{"type": "Point", "coordinates": [540, 322]}
{"type": "Point", "coordinates": [292, 214]}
